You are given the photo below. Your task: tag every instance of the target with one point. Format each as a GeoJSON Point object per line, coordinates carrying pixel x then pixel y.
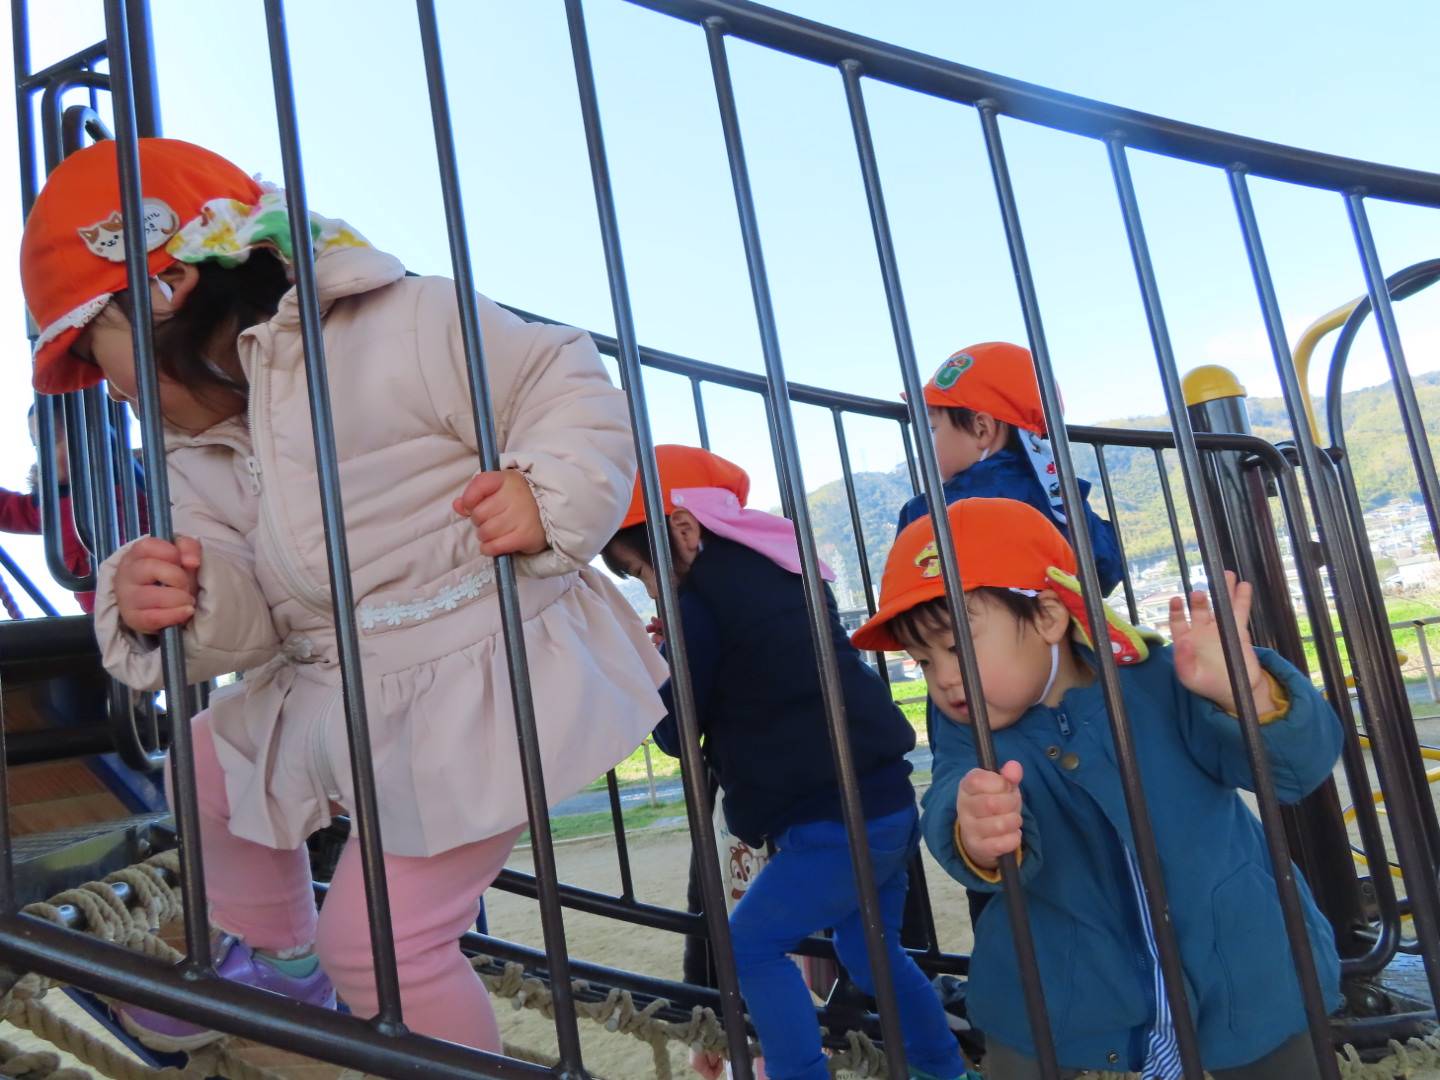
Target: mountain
{"type": "Point", "coordinates": [1379, 453]}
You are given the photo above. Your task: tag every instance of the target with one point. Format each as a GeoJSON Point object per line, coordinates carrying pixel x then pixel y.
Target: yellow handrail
{"type": "Point", "coordinates": [1305, 349]}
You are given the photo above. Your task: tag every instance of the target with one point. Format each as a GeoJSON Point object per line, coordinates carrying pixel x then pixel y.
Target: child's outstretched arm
{"type": "Point", "coordinates": [19, 512]}
{"type": "Point", "coordinates": [702, 649]}
{"type": "Point", "coordinates": [1301, 732]}
{"type": "Point", "coordinates": [973, 816]}
{"type": "Point", "coordinates": [562, 425]}
{"type": "Point", "coordinates": [204, 582]}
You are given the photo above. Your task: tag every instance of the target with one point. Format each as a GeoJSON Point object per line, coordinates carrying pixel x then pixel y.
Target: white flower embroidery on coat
{"type": "Point", "coordinates": [447, 599]}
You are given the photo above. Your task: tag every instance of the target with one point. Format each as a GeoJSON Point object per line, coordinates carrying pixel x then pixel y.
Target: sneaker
{"type": "Point", "coordinates": [236, 962]}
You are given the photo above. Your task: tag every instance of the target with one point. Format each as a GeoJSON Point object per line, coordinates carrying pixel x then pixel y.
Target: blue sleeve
{"type": "Point", "coordinates": [1107, 547]}
{"type": "Point", "coordinates": [937, 821]}
{"type": "Point", "coordinates": [702, 648]}
{"type": "Point", "coordinates": [1302, 745]}
{"type": "Point", "coordinates": [913, 509]}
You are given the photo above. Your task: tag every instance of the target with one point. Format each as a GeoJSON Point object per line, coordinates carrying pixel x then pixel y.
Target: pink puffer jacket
{"type": "Point", "coordinates": [436, 683]}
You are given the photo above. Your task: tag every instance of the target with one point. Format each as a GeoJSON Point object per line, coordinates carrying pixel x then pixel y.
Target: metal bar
{"type": "Point", "coordinates": [1114, 516]}
{"type": "Point", "coordinates": [142, 65]}
{"type": "Point", "coordinates": [1175, 535]}
{"type": "Point", "coordinates": [1424, 647]}
{"type": "Point", "coordinates": [83, 497]}
{"type": "Point", "coordinates": [172, 649]}
{"type": "Point", "coordinates": [1356, 772]}
{"type": "Point", "coordinates": [954, 589]}
{"type": "Point", "coordinates": [1014, 893]}
{"type": "Point", "coordinates": [552, 920]}
{"type": "Point", "coordinates": [1343, 564]}
{"type": "Point", "coordinates": [700, 424]}
{"type": "Point", "coordinates": [815, 596]}
{"type": "Point", "coordinates": [24, 109]}
{"type": "Point", "coordinates": [46, 408]}
{"type": "Point", "coordinates": [1050, 108]}
{"type": "Point", "coordinates": [1207, 535]}
{"type": "Point", "coordinates": [1380, 303]}
{"type": "Point", "coordinates": [105, 534]}
{"type": "Point", "coordinates": [125, 466]}
{"type": "Point", "coordinates": [782, 481]}
{"type": "Point", "coordinates": [1147, 853]}
{"type": "Point", "coordinates": [11, 567]}
{"type": "Point", "coordinates": [31, 944]}
{"type": "Point", "coordinates": [76, 61]}
{"type": "Point", "coordinates": [367, 815]}
{"type": "Point", "coordinates": [850, 497]}
{"type": "Point", "coordinates": [693, 774]}
{"type": "Point", "coordinates": [802, 393]}
{"type": "Point", "coordinates": [910, 456]}
{"type": "Point", "coordinates": [622, 848]}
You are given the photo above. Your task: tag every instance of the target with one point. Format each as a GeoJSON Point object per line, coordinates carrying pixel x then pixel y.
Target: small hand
{"type": "Point", "coordinates": [656, 629]}
{"type": "Point", "coordinates": [987, 809]}
{"type": "Point", "coordinates": [1199, 658]}
{"type": "Point", "coordinates": [157, 583]}
{"type": "Point", "coordinates": [504, 512]}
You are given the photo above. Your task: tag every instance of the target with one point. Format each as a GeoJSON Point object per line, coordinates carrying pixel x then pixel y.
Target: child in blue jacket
{"type": "Point", "coordinates": [1057, 802]}
{"type": "Point", "coordinates": [990, 441]}
{"type": "Point", "coordinates": [764, 733]}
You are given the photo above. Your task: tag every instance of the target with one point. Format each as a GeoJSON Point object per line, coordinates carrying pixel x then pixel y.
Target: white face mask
{"type": "Point", "coordinates": [983, 455]}
{"type": "Point", "coordinates": [165, 290]}
{"type": "Point", "coordinates": [1054, 673]}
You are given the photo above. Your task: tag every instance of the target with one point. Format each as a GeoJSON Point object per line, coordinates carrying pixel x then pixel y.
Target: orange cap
{"type": "Point", "coordinates": [994, 377]}
{"type": "Point", "coordinates": [1000, 543]}
{"type": "Point", "coordinates": [688, 467]}
{"type": "Point", "coordinates": [72, 256]}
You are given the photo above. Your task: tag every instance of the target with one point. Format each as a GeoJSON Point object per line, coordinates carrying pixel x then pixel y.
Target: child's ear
{"type": "Point", "coordinates": [1053, 621]}
{"type": "Point", "coordinates": [181, 279]}
{"type": "Point", "coordinates": [985, 426]}
{"type": "Point", "coordinates": [686, 532]}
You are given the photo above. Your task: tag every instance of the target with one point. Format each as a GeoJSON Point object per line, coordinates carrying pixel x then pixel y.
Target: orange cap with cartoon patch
{"type": "Point", "coordinates": [72, 256]}
{"type": "Point", "coordinates": [999, 544]}
{"type": "Point", "coordinates": [993, 377]}
{"type": "Point", "coordinates": [683, 467]}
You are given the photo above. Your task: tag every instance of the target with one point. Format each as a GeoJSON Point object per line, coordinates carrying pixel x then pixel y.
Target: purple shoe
{"type": "Point", "coordinates": [170, 1035]}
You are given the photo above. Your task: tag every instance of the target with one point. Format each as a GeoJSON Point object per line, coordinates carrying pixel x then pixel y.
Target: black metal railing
{"type": "Point", "coordinates": [99, 452]}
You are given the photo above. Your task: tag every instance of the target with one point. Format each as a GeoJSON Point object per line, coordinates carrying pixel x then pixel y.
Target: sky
{"type": "Point", "coordinates": [1316, 78]}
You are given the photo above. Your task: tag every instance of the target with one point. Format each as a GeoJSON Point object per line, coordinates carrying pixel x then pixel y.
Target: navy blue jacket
{"type": "Point", "coordinates": [757, 692]}
{"type": "Point", "coordinates": [1096, 972]}
{"type": "Point", "coordinates": [1007, 475]}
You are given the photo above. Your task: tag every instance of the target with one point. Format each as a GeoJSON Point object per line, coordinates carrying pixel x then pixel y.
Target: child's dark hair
{"type": "Point", "coordinates": [930, 620]}
{"type": "Point", "coordinates": [961, 417]}
{"type": "Point", "coordinates": [635, 539]}
{"type": "Point", "coordinates": [196, 345]}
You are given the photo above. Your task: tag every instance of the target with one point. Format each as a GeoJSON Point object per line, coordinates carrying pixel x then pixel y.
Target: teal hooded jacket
{"type": "Point", "coordinates": [1094, 964]}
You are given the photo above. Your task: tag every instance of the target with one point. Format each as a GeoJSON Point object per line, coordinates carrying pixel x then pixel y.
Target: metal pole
{"type": "Point", "coordinates": [703, 428]}
{"type": "Point", "coordinates": [367, 815]}
{"type": "Point", "coordinates": [949, 564]}
{"type": "Point", "coordinates": [172, 649]}
{"type": "Point", "coordinates": [552, 919]}
{"type": "Point", "coordinates": [1207, 535]}
{"type": "Point", "coordinates": [1147, 853]}
{"type": "Point", "coordinates": [1318, 469]}
{"type": "Point", "coordinates": [815, 595]}
{"type": "Point", "coordinates": [1114, 517]}
{"type": "Point", "coordinates": [693, 773]}
{"type": "Point", "coordinates": [1421, 641]}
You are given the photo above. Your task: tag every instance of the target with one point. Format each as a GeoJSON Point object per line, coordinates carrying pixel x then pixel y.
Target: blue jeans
{"type": "Point", "coordinates": [809, 885]}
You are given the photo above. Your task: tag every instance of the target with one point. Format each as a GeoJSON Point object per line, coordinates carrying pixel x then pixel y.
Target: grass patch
{"type": "Point", "coordinates": [574, 826]}
{"type": "Point", "coordinates": [632, 769]}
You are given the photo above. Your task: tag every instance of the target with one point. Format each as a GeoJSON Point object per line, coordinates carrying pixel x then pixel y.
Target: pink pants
{"type": "Point", "coordinates": [264, 897]}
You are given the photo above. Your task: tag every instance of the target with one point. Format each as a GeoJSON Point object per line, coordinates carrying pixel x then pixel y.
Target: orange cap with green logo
{"type": "Point", "coordinates": [999, 544]}
{"type": "Point", "coordinates": [993, 377]}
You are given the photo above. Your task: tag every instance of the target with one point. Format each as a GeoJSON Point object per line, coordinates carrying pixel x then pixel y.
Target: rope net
{"type": "Point", "coordinates": [156, 903]}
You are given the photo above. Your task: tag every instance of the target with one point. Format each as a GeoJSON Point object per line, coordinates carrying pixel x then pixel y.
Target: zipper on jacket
{"type": "Point", "coordinates": [1063, 721]}
{"type": "Point", "coordinates": [291, 576]}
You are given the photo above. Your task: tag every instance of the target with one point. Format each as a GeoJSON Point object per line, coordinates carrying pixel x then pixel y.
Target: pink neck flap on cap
{"type": "Point", "coordinates": [720, 511]}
